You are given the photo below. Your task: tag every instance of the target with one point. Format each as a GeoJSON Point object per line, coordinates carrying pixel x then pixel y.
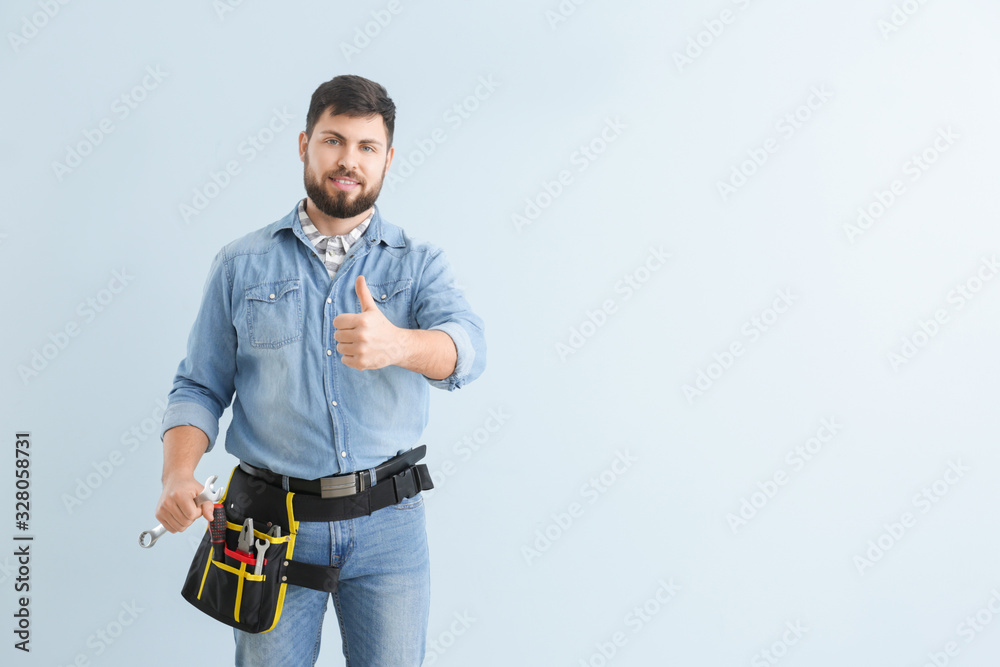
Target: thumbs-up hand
{"type": "Point", "coordinates": [366, 340]}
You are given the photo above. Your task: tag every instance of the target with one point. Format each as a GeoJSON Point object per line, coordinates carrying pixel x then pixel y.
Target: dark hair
{"type": "Point", "coordinates": [354, 96]}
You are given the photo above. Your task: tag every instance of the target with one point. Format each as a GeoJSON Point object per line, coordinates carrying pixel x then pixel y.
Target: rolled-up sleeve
{"type": "Point", "coordinates": [204, 383]}
{"type": "Point", "coordinates": [439, 304]}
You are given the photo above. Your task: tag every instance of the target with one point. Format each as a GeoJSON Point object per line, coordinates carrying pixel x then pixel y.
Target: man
{"type": "Point", "coordinates": [329, 326]}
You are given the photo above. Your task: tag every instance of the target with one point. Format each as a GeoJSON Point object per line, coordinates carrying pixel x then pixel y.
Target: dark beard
{"type": "Point", "coordinates": [338, 205]}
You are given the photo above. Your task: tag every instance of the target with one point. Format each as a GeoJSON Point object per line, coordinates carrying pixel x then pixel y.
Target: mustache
{"type": "Point", "coordinates": [347, 175]}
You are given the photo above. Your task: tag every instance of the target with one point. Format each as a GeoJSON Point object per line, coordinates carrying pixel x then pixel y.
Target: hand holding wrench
{"type": "Point", "coordinates": [208, 494]}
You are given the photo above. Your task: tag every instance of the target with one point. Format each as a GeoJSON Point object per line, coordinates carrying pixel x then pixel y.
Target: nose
{"type": "Point", "coordinates": [348, 159]}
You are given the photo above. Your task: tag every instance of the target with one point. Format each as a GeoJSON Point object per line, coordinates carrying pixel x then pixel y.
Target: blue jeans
{"type": "Point", "coordinates": [382, 600]}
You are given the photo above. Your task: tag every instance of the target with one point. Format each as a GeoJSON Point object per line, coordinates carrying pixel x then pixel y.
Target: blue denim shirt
{"type": "Point", "coordinates": [265, 331]}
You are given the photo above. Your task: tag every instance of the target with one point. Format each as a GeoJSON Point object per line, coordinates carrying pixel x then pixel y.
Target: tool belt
{"type": "Point", "coordinates": [223, 581]}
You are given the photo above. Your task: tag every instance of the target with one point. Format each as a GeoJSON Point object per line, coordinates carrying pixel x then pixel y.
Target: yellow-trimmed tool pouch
{"type": "Point", "coordinates": [221, 580]}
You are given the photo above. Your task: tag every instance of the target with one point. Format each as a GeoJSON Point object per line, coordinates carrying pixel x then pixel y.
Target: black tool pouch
{"type": "Point", "coordinates": [221, 580]}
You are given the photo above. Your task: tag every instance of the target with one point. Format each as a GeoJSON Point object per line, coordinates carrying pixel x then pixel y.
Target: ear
{"type": "Point", "coordinates": [388, 159]}
{"type": "Point", "coordinates": [303, 145]}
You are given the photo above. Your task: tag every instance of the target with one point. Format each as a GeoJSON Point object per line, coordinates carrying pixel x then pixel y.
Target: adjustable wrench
{"type": "Point", "coordinates": [209, 493]}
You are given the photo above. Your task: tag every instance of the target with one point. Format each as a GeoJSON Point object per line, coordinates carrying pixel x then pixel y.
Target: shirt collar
{"type": "Point", "coordinates": [310, 228]}
{"type": "Point", "coordinates": [379, 230]}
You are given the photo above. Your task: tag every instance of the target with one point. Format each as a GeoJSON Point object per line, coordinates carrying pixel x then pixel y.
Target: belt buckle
{"type": "Point", "coordinates": [341, 485]}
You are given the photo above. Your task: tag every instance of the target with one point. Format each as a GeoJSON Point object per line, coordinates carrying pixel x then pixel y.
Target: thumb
{"type": "Point", "coordinates": [367, 302]}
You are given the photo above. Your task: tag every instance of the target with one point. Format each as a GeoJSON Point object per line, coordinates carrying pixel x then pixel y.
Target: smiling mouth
{"type": "Point", "coordinates": [345, 183]}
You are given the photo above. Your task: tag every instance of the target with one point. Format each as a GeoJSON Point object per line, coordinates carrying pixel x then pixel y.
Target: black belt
{"type": "Point", "coordinates": [267, 502]}
{"type": "Point", "coordinates": [343, 485]}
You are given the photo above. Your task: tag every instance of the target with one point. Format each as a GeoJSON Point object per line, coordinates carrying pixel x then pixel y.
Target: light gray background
{"type": "Point", "coordinates": [557, 420]}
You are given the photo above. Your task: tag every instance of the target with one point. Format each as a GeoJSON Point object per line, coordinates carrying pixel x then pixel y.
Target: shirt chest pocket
{"type": "Point", "coordinates": [274, 313]}
{"type": "Point", "coordinates": [393, 299]}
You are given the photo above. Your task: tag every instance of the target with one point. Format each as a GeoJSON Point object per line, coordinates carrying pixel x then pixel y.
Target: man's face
{"type": "Point", "coordinates": [345, 163]}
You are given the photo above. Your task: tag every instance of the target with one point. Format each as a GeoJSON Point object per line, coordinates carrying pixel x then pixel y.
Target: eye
{"type": "Point", "coordinates": [329, 140]}
{"type": "Point", "coordinates": [370, 149]}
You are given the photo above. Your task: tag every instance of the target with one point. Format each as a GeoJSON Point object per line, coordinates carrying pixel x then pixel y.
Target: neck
{"type": "Point", "coordinates": [330, 226]}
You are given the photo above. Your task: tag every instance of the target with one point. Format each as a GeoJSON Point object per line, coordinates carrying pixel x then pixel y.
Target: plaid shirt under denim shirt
{"type": "Point", "coordinates": [263, 339]}
{"type": "Point", "coordinates": [333, 249]}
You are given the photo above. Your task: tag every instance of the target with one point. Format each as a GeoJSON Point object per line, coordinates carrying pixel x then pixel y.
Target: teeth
{"type": "Point", "coordinates": [345, 182]}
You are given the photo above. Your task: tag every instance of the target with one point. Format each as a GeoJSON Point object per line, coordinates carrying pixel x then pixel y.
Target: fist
{"type": "Point", "coordinates": [176, 509]}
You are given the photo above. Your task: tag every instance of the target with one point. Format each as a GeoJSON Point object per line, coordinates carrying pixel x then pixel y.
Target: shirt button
{"type": "Point", "coordinates": [383, 297]}
{"type": "Point", "coordinates": [333, 403]}
{"type": "Point", "coordinates": [329, 300]}
{"type": "Point", "coordinates": [343, 454]}
{"type": "Point", "coordinates": [329, 352]}
{"type": "Point", "coordinates": [272, 296]}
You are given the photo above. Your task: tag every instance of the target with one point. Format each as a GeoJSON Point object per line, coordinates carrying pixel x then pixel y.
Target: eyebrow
{"type": "Point", "coordinates": [362, 141]}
